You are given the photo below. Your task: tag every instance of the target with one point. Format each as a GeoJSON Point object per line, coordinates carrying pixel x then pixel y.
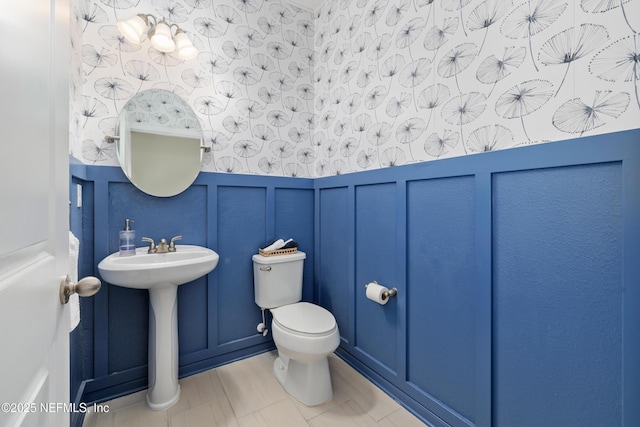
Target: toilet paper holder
{"type": "Point", "coordinates": [386, 294]}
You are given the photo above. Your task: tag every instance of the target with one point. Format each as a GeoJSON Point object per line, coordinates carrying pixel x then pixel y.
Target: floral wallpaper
{"type": "Point", "coordinates": [364, 84]}
{"type": "Point", "coordinates": [415, 80]}
{"type": "Point", "coordinates": [250, 85]}
{"type": "Point", "coordinates": [160, 111]}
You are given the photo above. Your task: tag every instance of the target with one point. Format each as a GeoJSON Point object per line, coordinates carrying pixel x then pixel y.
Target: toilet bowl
{"type": "Point", "coordinates": [304, 334]}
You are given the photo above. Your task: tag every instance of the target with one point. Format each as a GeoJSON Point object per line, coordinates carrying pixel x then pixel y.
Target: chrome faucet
{"type": "Point", "coordinates": [152, 245]}
{"type": "Point", "coordinates": [162, 247]}
{"type": "Point", "coordinates": [172, 245]}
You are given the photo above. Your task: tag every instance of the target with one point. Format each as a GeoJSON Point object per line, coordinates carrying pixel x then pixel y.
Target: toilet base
{"type": "Point", "coordinates": [307, 382]}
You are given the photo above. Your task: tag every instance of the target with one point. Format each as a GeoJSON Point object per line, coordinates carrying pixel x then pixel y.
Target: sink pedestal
{"type": "Point", "coordinates": [161, 274]}
{"type": "Point", "coordinates": [164, 390]}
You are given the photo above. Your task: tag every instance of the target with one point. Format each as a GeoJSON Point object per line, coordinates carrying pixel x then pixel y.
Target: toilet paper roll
{"type": "Point", "coordinates": [375, 293]}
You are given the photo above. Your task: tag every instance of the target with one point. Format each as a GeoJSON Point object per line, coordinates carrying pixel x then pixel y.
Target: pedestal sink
{"type": "Point", "coordinates": [161, 274]}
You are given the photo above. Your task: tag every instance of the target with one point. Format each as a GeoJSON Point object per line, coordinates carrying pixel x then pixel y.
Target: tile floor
{"type": "Point", "coordinates": [246, 394]}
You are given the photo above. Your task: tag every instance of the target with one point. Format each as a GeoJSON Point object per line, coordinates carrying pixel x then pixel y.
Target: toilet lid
{"type": "Point", "coordinates": [304, 317]}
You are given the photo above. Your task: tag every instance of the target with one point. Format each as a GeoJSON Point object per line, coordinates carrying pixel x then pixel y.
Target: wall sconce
{"type": "Point", "coordinates": [160, 33]}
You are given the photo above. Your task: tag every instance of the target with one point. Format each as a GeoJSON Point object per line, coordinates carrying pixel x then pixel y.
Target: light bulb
{"type": "Point", "coordinates": [186, 49]}
{"type": "Point", "coordinates": [133, 29]}
{"type": "Point", "coordinates": [161, 37]}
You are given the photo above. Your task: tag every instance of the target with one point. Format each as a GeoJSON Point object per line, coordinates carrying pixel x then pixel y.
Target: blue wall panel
{"type": "Point", "coordinates": [232, 214]}
{"type": "Point", "coordinates": [517, 272]}
{"type": "Point", "coordinates": [519, 305]}
{"type": "Point", "coordinates": [294, 219]}
{"type": "Point", "coordinates": [558, 296]}
{"type": "Point", "coordinates": [194, 314]}
{"type": "Point", "coordinates": [154, 217]}
{"type": "Point", "coordinates": [242, 229]}
{"type": "Point", "coordinates": [81, 354]}
{"type": "Point", "coordinates": [81, 225]}
{"type": "Point", "coordinates": [441, 281]}
{"type": "Point", "coordinates": [128, 328]}
{"type": "Point", "coordinates": [375, 248]}
{"type": "Point", "coordinates": [333, 272]}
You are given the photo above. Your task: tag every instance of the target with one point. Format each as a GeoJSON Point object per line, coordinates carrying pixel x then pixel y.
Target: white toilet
{"type": "Point", "coordinates": [304, 333]}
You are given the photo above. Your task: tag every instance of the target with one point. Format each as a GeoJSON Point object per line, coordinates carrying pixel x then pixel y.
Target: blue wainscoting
{"type": "Point", "coordinates": [441, 277]}
{"type": "Point", "coordinates": [558, 295]}
{"type": "Point", "coordinates": [217, 317]}
{"type": "Point", "coordinates": [517, 274]}
{"type": "Point", "coordinates": [518, 282]}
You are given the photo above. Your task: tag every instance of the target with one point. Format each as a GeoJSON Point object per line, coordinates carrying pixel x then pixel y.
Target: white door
{"type": "Point", "coordinates": [34, 224]}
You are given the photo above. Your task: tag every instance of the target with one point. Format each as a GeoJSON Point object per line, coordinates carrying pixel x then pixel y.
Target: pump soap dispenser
{"type": "Point", "coordinates": [127, 239]}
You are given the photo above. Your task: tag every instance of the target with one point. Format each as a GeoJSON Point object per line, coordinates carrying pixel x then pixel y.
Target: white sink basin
{"type": "Point", "coordinates": [144, 270]}
{"type": "Point", "coordinates": [161, 274]}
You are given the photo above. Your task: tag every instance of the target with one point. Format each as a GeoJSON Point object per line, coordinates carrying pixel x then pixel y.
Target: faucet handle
{"type": "Point", "coordinates": [152, 244]}
{"type": "Point", "coordinates": [172, 245]}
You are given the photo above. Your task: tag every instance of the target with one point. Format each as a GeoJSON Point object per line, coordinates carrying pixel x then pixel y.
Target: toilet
{"type": "Point", "coordinates": [305, 334]}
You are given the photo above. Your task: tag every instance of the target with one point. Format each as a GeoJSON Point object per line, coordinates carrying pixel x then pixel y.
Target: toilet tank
{"type": "Point", "coordinates": [277, 280]}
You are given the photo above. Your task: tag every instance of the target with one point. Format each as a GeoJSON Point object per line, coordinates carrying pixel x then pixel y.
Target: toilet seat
{"type": "Point", "coordinates": [304, 318]}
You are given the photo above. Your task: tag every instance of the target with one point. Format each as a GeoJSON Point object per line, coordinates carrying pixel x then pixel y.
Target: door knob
{"type": "Point", "coordinates": [86, 287]}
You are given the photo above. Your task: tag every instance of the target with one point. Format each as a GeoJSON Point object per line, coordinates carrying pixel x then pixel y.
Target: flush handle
{"type": "Point", "coordinates": [267, 268]}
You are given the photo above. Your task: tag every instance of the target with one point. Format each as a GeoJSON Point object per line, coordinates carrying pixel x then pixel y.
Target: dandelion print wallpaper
{"type": "Point", "coordinates": [250, 85]}
{"type": "Point", "coordinates": [364, 84]}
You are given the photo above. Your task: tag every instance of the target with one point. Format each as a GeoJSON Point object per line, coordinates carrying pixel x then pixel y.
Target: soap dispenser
{"type": "Point", "coordinates": [127, 239]}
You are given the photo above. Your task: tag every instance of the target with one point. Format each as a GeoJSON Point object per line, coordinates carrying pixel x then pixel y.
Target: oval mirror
{"type": "Point", "coordinates": [159, 144]}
